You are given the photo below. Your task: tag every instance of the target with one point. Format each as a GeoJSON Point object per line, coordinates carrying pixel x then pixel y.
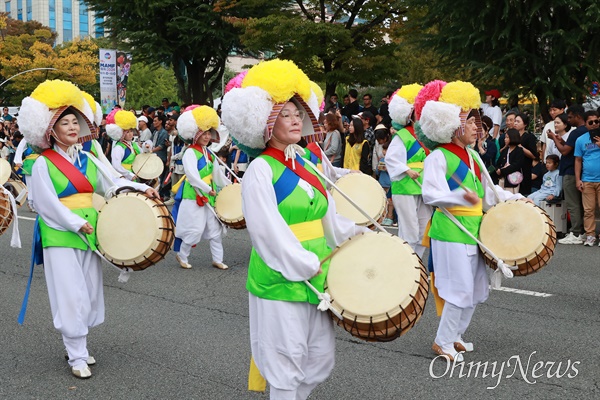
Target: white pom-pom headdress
{"type": "Point", "coordinates": [249, 112]}
{"type": "Point", "coordinates": [118, 121]}
{"type": "Point", "coordinates": [196, 120]}
{"type": "Point", "coordinates": [401, 105]}
{"type": "Point", "coordinates": [443, 119]}
{"type": "Point", "coordinates": [40, 111]}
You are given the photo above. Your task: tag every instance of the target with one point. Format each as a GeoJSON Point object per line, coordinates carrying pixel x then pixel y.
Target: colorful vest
{"type": "Point", "coordinates": [29, 158]}
{"type": "Point", "coordinates": [205, 169]}
{"type": "Point", "coordinates": [353, 154]}
{"type": "Point", "coordinates": [303, 215]}
{"type": "Point", "coordinates": [442, 228]}
{"type": "Point", "coordinates": [78, 203]}
{"type": "Point", "coordinates": [90, 147]}
{"type": "Point", "coordinates": [415, 155]}
{"type": "Point", "coordinates": [311, 155]}
{"type": "Point", "coordinates": [129, 155]}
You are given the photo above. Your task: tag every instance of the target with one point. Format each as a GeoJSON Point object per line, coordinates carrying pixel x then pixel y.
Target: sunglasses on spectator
{"type": "Point", "coordinates": [594, 122]}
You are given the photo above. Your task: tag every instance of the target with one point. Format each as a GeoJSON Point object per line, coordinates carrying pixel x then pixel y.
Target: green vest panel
{"type": "Point", "coordinates": [407, 185]}
{"type": "Point", "coordinates": [205, 169]}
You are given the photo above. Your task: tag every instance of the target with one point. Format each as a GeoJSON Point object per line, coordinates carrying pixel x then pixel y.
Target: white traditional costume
{"type": "Point", "coordinates": [123, 151]}
{"type": "Point", "coordinates": [460, 275]}
{"type": "Point", "coordinates": [293, 225]}
{"type": "Point", "coordinates": [73, 271]}
{"type": "Point", "coordinates": [193, 212]}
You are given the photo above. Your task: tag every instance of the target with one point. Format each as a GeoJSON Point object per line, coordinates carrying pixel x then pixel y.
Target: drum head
{"type": "Point", "coordinates": [98, 201]}
{"type": "Point", "coordinates": [127, 226]}
{"type": "Point", "coordinates": [18, 190]}
{"type": "Point", "coordinates": [514, 230]}
{"type": "Point", "coordinates": [147, 166]}
{"type": "Point", "coordinates": [5, 170]}
{"type": "Point", "coordinates": [371, 275]}
{"type": "Point", "coordinates": [364, 191]}
{"type": "Point", "coordinates": [228, 205]}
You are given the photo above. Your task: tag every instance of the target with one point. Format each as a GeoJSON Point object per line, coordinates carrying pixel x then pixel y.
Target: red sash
{"type": "Point", "coordinates": [300, 170]}
{"type": "Point", "coordinates": [411, 129]}
{"type": "Point", "coordinates": [201, 150]}
{"type": "Point", "coordinates": [314, 148]}
{"type": "Point", "coordinates": [77, 179]}
{"type": "Point", "coordinates": [464, 156]}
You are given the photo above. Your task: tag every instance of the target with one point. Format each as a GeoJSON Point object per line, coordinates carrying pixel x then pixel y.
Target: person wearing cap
{"type": "Point", "coordinates": [293, 225]}
{"type": "Point", "coordinates": [454, 177]}
{"type": "Point", "coordinates": [404, 163]}
{"type": "Point", "coordinates": [62, 181]}
{"type": "Point", "coordinates": [195, 197]}
{"type": "Point", "coordinates": [145, 133]}
{"type": "Point", "coordinates": [491, 108]}
{"type": "Point", "coordinates": [120, 125]}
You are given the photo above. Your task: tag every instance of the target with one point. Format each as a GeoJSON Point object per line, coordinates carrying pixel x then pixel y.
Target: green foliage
{"type": "Point", "coordinates": [148, 84]}
{"type": "Point", "coordinates": [548, 48]}
{"type": "Point", "coordinates": [333, 42]}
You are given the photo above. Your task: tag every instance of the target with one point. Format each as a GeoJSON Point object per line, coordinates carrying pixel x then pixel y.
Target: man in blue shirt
{"type": "Point", "coordinates": [576, 118]}
{"type": "Point", "coordinates": [587, 174]}
{"type": "Point", "coordinates": [160, 143]}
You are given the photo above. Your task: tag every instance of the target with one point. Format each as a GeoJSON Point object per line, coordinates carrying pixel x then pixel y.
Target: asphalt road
{"type": "Point", "coordinates": [183, 334]}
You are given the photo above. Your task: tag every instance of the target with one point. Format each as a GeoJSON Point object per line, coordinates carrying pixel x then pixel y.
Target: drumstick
{"type": "Point", "coordinates": [168, 177]}
{"type": "Point", "coordinates": [460, 184]}
{"type": "Point", "coordinates": [225, 165]}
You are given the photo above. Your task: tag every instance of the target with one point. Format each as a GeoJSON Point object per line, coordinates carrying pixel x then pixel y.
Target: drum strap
{"type": "Point", "coordinates": [299, 169]}
{"type": "Point", "coordinates": [77, 179]}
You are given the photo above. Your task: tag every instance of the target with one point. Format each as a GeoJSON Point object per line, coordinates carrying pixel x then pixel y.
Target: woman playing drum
{"type": "Point", "coordinates": [454, 179]}
{"type": "Point", "coordinates": [120, 125]}
{"type": "Point", "coordinates": [63, 180]}
{"type": "Point", "coordinates": [193, 212]}
{"type": "Point", "coordinates": [293, 226]}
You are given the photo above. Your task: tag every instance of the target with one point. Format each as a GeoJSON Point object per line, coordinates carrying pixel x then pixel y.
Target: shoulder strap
{"type": "Point", "coordinates": [201, 150]}
{"type": "Point", "coordinates": [77, 179]}
{"type": "Point", "coordinates": [299, 170]}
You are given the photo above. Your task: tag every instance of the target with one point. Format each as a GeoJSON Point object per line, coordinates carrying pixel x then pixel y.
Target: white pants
{"type": "Point", "coordinates": [413, 215]}
{"type": "Point", "coordinates": [216, 250]}
{"type": "Point", "coordinates": [293, 345]}
{"type": "Point", "coordinates": [74, 281]}
{"type": "Point", "coordinates": [453, 324]}
{"type": "Point", "coordinates": [195, 223]}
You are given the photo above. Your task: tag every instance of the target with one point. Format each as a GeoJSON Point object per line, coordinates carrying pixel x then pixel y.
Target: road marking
{"type": "Point", "coordinates": [27, 218]}
{"type": "Point", "coordinates": [526, 292]}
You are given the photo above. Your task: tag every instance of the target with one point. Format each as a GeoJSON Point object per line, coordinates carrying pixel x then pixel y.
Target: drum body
{"type": "Point", "coordinates": [378, 284]}
{"type": "Point", "coordinates": [6, 214]}
{"type": "Point", "coordinates": [18, 190]}
{"type": "Point", "coordinates": [364, 191]}
{"type": "Point", "coordinates": [519, 233]}
{"type": "Point", "coordinates": [228, 206]}
{"type": "Point", "coordinates": [147, 166]}
{"type": "Point", "coordinates": [134, 230]}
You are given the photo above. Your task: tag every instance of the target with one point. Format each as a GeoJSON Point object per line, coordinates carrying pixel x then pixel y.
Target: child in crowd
{"type": "Point", "coordinates": [384, 181]}
{"type": "Point", "coordinates": [551, 182]}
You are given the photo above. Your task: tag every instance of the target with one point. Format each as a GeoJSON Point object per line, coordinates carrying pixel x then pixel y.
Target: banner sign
{"type": "Point", "coordinates": [108, 80]}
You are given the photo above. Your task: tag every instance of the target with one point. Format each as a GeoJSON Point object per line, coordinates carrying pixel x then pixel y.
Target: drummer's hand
{"type": "Point", "coordinates": [152, 193]}
{"type": "Point", "coordinates": [87, 228]}
{"type": "Point", "coordinates": [212, 193]}
{"type": "Point", "coordinates": [471, 197]}
{"type": "Point", "coordinates": [527, 199]}
{"type": "Point", "coordinates": [413, 174]}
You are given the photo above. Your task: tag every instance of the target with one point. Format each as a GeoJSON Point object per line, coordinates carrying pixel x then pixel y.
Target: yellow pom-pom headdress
{"type": "Point", "coordinates": [118, 121]}
{"type": "Point", "coordinates": [42, 109]}
{"type": "Point", "coordinates": [198, 119]}
{"type": "Point", "coordinates": [443, 119]}
{"type": "Point", "coordinates": [401, 104]}
{"type": "Point", "coordinates": [95, 108]}
{"type": "Point", "coordinates": [249, 112]}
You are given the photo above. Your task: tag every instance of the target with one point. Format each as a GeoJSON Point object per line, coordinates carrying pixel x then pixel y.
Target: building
{"type": "Point", "coordinates": [68, 18]}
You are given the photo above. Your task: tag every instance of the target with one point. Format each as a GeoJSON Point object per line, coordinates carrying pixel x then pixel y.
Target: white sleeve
{"type": "Point", "coordinates": [103, 158]}
{"type": "Point", "coordinates": [190, 167]}
{"type": "Point", "coordinates": [19, 152]}
{"type": "Point", "coordinates": [338, 228]}
{"type": "Point", "coordinates": [219, 177]}
{"type": "Point", "coordinates": [496, 116]}
{"type": "Point", "coordinates": [117, 155]}
{"type": "Point", "coordinates": [271, 236]}
{"type": "Point", "coordinates": [395, 159]}
{"type": "Point", "coordinates": [105, 184]}
{"type": "Point", "coordinates": [45, 200]}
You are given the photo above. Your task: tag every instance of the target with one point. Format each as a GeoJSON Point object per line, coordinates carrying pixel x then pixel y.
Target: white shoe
{"type": "Point", "coordinates": [590, 241]}
{"type": "Point", "coordinates": [451, 354]}
{"type": "Point", "coordinates": [90, 361]}
{"type": "Point", "coordinates": [571, 239]}
{"type": "Point", "coordinates": [182, 263]}
{"type": "Point", "coordinates": [82, 372]}
{"type": "Point", "coordinates": [220, 265]}
{"type": "Point", "coordinates": [461, 345]}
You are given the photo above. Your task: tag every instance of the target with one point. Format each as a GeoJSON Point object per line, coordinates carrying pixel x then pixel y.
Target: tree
{"type": "Point", "coordinates": [195, 38]}
{"type": "Point", "coordinates": [27, 47]}
{"type": "Point", "coordinates": [332, 41]}
{"type": "Point", "coordinates": [148, 84]}
{"type": "Point", "coordinates": [548, 48]}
